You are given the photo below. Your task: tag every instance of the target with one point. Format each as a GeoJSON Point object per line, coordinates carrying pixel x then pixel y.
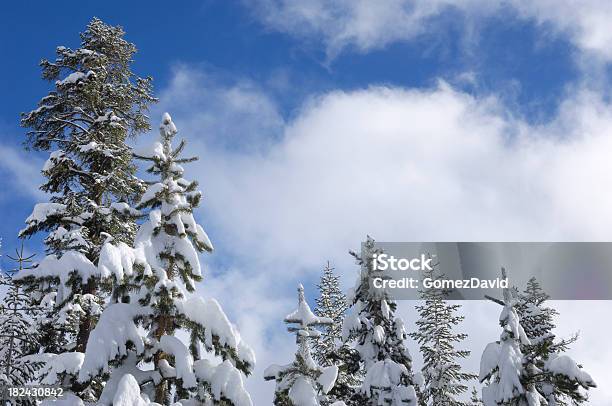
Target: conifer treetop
{"type": "Point", "coordinates": [304, 318]}
{"type": "Point", "coordinates": [303, 382]}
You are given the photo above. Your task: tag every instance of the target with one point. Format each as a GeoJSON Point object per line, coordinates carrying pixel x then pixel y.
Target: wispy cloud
{"type": "Point", "coordinates": [368, 25]}
{"type": "Point", "coordinates": [20, 172]}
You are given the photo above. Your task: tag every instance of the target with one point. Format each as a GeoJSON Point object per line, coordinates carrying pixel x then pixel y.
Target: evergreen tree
{"type": "Point", "coordinates": [514, 377]}
{"type": "Point", "coordinates": [444, 378]}
{"type": "Point", "coordinates": [18, 336]}
{"type": "Point", "coordinates": [475, 398]}
{"type": "Point", "coordinates": [538, 322]}
{"type": "Point", "coordinates": [155, 302]}
{"type": "Point", "coordinates": [303, 382]}
{"type": "Point", "coordinates": [96, 103]}
{"type": "Point", "coordinates": [502, 365]}
{"type": "Point", "coordinates": [378, 336]}
{"type": "Point", "coordinates": [332, 304]}
{"type": "Point", "coordinates": [329, 348]}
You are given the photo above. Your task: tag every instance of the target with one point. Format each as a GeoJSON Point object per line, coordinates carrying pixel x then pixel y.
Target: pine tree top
{"type": "Point", "coordinates": [303, 318]}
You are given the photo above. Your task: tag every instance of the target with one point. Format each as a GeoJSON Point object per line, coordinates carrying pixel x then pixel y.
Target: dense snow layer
{"type": "Point", "coordinates": [52, 266]}
{"type": "Point", "coordinates": [489, 360]}
{"type": "Point", "coordinates": [128, 366]}
{"type": "Point", "coordinates": [61, 268]}
{"type": "Point", "coordinates": [303, 316]}
{"type": "Point", "coordinates": [564, 365]}
{"type": "Point", "coordinates": [109, 339]}
{"type": "Point", "coordinates": [302, 393]}
{"type": "Point", "coordinates": [42, 211]}
{"type": "Point", "coordinates": [383, 374]}
{"type": "Point", "coordinates": [208, 313]}
{"type": "Point", "coordinates": [224, 380]}
{"type": "Point", "coordinates": [54, 158]}
{"type": "Point", "coordinates": [328, 377]}
{"type": "Point", "coordinates": [150, 244]}
{"type": "Point", "coordinates": [154, 150]}
{"type": "Point", "coordinates": [118, 260]}
{"type": "Point", "coordinates": [128, 393]}
{"type": "Point", "coordinates": [154, 191]}
{"type": "Point", "coordinates": [183, 360]}
{"type": "Point", "coordinates": [56, 364]}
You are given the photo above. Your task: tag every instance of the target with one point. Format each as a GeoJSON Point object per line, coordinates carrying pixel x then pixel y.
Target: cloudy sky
{"type": "Point", "coordinates": [318, 122]}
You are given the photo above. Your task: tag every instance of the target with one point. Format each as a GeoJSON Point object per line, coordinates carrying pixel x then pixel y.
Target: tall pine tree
{"type": "Point", "coordinates": [332, 304]}
{"type": "Point", "coordinates": [328, 349]}
{"type": "Point", "coordinates": [378, 336]}
{"type": "Point", "coordinates": [155, 302]}
{"type": "Point", "coordinates": [96, 103]}
{"type": "Point", "coordinates": [445, 381]}
{"type": "Point", "coordinates": [303, 382]}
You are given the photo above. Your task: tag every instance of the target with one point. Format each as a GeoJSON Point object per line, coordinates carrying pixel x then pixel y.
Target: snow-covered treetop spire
{"type": "Point", "coordinates": [171, 228]}
{"type": "Point", "coordinates": [303, 382]}
{"type": "Point", "coordinates": [167, 129]}
{"type": "Point", "coordinates": [304, 318]}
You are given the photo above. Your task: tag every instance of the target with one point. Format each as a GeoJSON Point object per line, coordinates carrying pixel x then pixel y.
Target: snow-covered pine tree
{"type": "Point", "coordinates": [518, 378]}
{"type": "Point", "coordinates": [503, 365]}
{"type": "Point", "coordinates": [18, 335]}
{"type": "Point", "coordinates": [303, 382]}
{"type": "Point", "coordinates": [142, 322]}
{"type": "Point", "coordinates": [96, 103]}
{"type": "Point", "coordinates": [331, 304]}
{"type": "Point", "coordinates": [378, 336]}
{"type": "Point", "coordinates": [328, 349]}
{"type": "Point", "coordinates": [559, 388]}
{"type": "Point", "coordinates": [445, 381]}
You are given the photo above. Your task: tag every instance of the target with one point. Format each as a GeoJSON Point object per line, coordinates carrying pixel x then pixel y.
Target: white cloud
{"type": "Point", "coordinates": [399, 164]}
{"type": "Point", "coordinates": [21, 174]}
{"type": "Point", "coordinates": [216, 105]}
{"type": "Point", "coordinates": [366, 25]}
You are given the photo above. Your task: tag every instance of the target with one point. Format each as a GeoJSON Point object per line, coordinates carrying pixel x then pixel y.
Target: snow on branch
{"type": "Point", "coordinates": [109, 340]}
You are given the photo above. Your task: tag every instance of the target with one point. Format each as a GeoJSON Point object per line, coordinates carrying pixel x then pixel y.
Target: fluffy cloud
{"type": "Point", "coordinates": [367, 25]}
{"type": "Point", "coordinates": [399, 164]}
{"type": "Point", "coordinates": [432, 164]}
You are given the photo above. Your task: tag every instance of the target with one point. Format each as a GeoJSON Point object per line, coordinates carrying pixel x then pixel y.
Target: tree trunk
{"type": "Point", "coordinates": [86, 323]}
{"type": "Point", "coordinates": [161, 390]}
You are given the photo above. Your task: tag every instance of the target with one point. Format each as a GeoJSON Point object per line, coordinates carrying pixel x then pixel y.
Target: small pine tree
{"type": "Point", "coordinates": [502, 366]}
{"type": "Point", "coordinates": [18, 336]}
{"type": "Point", "coordinates": [328, 349]}
{"type": "Point", "coordinates": [519, 372]}
{"type": "Point", "coordinates": [303, 382]}
{"type": "Point", "coordinates": [538, 322]}
{"type": "Point", "coordinates": [155, 301]}
{"type": "Point", "coordinates": [444, 378]}
{"type": "Point", "coordinates": [378, 336]}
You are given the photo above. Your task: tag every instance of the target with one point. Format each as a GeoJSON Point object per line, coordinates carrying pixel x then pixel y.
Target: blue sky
{"type": "Point", "coordinates": [320, 121]}
{"type": "Point", "coordinates": [528, 68]}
